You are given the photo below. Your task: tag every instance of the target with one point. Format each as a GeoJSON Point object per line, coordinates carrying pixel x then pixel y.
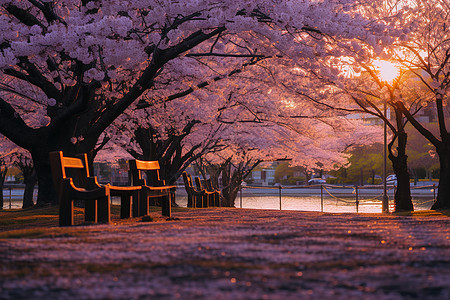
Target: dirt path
{"type": "Point", "coordinates": [235, 254]}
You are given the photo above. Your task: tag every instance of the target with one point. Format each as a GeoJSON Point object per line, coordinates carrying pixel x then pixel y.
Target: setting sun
{"type": "Point", "coordinates": [387, 70]}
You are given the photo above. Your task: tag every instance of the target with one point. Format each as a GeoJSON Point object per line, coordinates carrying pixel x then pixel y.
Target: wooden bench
{"type": "Point", "coordinates": [73, 182]}
{"type": "Point", "coordinates": [152, 188]}
{"type": "Point", "coordinates": [216, 193]}
{"type": "Point", "coordinates": [211, 195]}
{"type": "Point", "coordinates": [196, 198]}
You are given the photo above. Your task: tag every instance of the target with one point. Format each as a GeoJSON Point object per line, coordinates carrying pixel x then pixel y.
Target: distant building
{"type": "Point", "coordinates": [263, 177]}
{"type": "Point", "coordinates": [10, 179]}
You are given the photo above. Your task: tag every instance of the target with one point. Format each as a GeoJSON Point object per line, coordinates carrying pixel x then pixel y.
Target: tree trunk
{"type": "Point", "coordinates": [3, 172]}
{"type": "Point", "coordinates": [1, 197]}
{"type": "Point", "coordinates": [30, 181]}
{"type": "Point", "coordinates": [231, 183]}
{"type": "Point", "coordinates": [402, 196]}
{"type": "Point", "coordinates": [443, 197]}
{"type": "Point", "coordinates": [46, 190]}
{"type": "Point", "coordinates": [229, 196]}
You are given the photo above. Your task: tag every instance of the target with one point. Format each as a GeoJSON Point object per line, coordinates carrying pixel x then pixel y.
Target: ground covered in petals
{"type": "Point", "coordinates": [227, 253]}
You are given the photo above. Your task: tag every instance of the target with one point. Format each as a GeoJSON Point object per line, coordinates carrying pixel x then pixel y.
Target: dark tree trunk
{"type": "Point", "coordinates": [231, 182]}
{"type": "Point", "coordinates": [3, 172]}
{"type": "Point", "coordinates": [229, 195]}
{"type": "Point", "coordinates": [30, 181]}
{"type": "Point", "coordinates": [1, 197]}
{"type": "Point", "coordinates": [46, 190]}
{"type": "Point", "coordinates": [442, 149]}
{"type": "Point", "coordinates": [443, 196]}
{"type": "Point", "coordinates": [25, 164]}
{"type": "Point", "coordinates": [402, 198]}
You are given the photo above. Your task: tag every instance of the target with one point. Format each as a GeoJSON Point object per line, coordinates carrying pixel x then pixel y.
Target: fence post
{"type": "Point", "coordinates": [357, 200]}
{"type": "Point", "coordinates": [279, 192]}
{"type": "Point", "coordinates": [10, 198]}
{"type": "Point", "coordinates": [434, 191]}
{"type": "Point", "coordinates": [321, 197]}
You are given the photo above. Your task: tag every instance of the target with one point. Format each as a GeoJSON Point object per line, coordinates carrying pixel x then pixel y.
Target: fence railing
{"type": "Point", "coordinates": [13, 195]}
{"type": "Point", "coordinates": [346, 195]}
{"type": "Point", "coordinates": [356, 196]}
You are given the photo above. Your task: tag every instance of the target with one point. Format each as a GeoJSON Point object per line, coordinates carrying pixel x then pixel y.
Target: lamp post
{"type": "Point", "coordinates": [388, 72]}
{"type": "Point", "coordinates": [385, 200]}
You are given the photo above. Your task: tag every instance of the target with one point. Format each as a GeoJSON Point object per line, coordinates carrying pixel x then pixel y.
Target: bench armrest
{"type": "Point", "coordinates": [92, 183]}
{"type": "Point", "coordinates": [158, 183]}
{"type": "Point", "coordinates": [84, 193]}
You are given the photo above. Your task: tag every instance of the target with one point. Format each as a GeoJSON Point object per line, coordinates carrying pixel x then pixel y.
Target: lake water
{"type": "Point", "coordinates": [329, 199]}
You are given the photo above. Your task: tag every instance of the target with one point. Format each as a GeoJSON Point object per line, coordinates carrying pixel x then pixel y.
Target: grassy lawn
{"type": "Point", "coordinates": [44, 221]}
{"type": "Point", "coordinates": [424, 213]}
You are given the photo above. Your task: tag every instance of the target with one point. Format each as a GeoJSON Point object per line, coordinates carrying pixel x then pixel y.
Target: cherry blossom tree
{"type": "Point", "coordinates": [390, 93]}
{"type": "Point", "coordinates": [351, 85]}
{"type": "Point", "coordinates": [365, 95]}
{"type": "Point", "coordinates": [427, 55]}
{"type": "Point", "coordinates": [68, 69]}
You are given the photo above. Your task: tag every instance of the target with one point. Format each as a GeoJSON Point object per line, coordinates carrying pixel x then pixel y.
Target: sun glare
{"type": "Point", "coordinates": [387, 70]}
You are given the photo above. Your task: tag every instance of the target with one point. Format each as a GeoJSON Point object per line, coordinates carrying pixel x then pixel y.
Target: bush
{"type": "Point", "coordinates": [294, 180]}
{"type": "Point", "coordinates": [332, 180]}
{"type": "Point", "coordinates": [377, 181]}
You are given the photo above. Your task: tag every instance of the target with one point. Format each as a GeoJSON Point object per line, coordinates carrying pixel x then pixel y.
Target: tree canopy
{"type": "Point", "coordinates": [69, 69]}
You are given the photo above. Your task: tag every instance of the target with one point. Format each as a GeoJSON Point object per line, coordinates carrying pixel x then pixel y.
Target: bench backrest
{"type": "Point", "coordinates": [151, 168]}
{"type": "Point", "coordinates": [209, 185]}
{"type": "Point", "coordinates": [187, 181]}
{"type": "Point", "coordinates": [198, 183]}
{"type": "Point", "coordinates": [68, 167]}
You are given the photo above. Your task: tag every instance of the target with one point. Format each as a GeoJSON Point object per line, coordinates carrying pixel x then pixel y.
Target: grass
{"type": "Point", "coordinates": [20, 218]}
{"type": "Point", "coordinates": [424, 213]}
{"type": "Point", "coordinates": [44, 221]}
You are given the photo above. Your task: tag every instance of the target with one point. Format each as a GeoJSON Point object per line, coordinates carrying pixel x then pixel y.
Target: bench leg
{"type": "Point", "coordinates": [125, 206]}
{"type": "Point", "coordinates": [198, 201]}
{"type": "Point", "coordinates": [166, 206]}
{"type": "Point", "coordinates": [205, 201]}
{"type": "Point", "coordinates": [217, 200]}
{"type": "Point", "coordinates": [104, 210]}
{"type": "Point", "coordinates": [135, 204]}
{"type": "Point", "coordinates": [66, 212]}
{"type": "Point", "coordinates": [144, 210]}
{"type": "Point", "coordinates": [90, 211]}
